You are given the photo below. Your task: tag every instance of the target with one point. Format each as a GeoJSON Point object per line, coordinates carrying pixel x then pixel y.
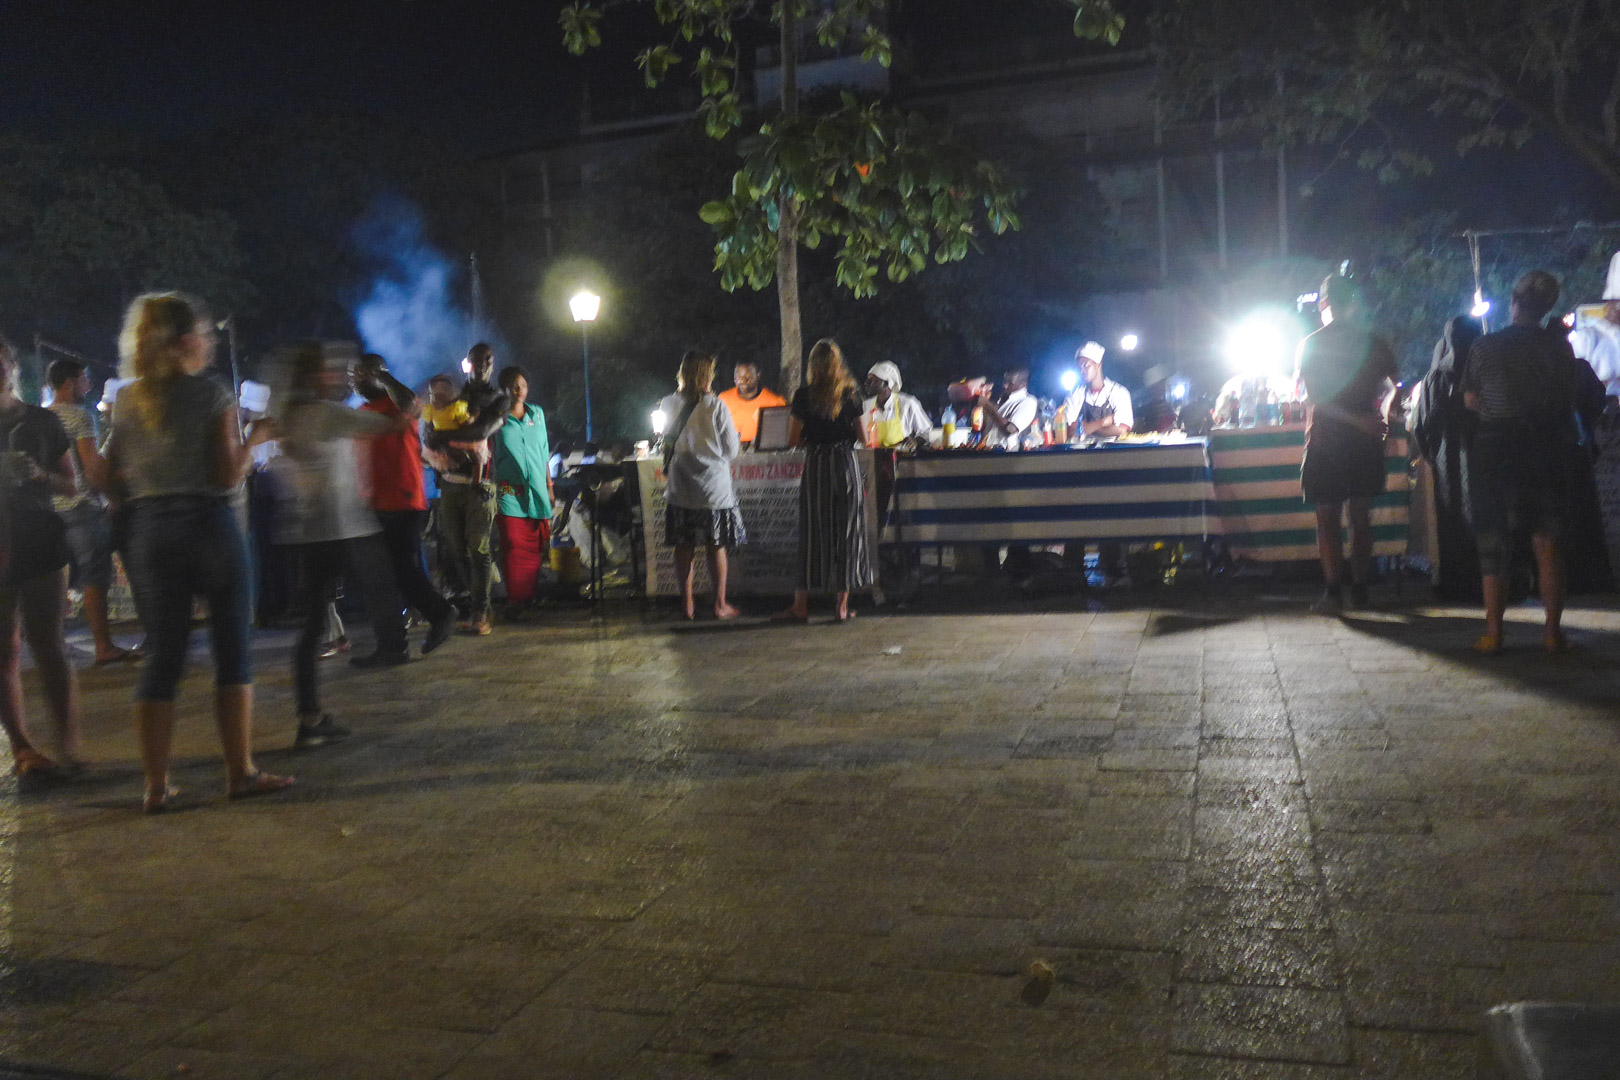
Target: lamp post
{"type": "Point", "coordinates": [585, 305]}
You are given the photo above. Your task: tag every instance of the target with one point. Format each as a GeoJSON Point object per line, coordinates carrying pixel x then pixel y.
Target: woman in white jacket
{"type": "Point", "coordinates": [701, 508]}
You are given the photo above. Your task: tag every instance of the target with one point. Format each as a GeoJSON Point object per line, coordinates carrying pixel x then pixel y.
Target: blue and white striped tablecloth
{"type": "Point", "coordinates": [1130, 492]}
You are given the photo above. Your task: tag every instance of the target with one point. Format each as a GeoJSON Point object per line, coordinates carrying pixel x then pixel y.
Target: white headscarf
{"type": "Point", "coordinates": [888, 373]}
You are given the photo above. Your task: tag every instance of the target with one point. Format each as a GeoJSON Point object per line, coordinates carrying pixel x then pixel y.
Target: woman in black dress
{"type": "Point", "coordinates": [833, 553]}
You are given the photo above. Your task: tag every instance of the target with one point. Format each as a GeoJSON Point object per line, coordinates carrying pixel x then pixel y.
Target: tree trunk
{"type": "Point", "coordinates": [787, 228]}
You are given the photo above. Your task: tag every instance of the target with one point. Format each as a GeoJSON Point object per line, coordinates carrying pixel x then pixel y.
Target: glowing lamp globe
{"type": "Point", "coordinates": [1129, 342]}
{"type": "Point", "coordinates": [660, 419]}
{"type": "Point", "coordinates": [1069, 380]}
{"type": "Point", "coordinates": [585, 305]}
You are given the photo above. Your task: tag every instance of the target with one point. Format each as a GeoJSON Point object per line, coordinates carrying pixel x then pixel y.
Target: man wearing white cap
{"type": "Point", "coordinates": [1598, 342]}
{"type": "Point", "coordinates": [893, 417]}
{"type": "Point", "coordinates": [1099, 405]}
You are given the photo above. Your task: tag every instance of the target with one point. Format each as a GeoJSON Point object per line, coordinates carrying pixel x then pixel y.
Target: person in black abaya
{"type": "Point", "coordinates": [1442, 428]}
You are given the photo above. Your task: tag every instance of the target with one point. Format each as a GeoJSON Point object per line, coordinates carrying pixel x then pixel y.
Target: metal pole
{"type": "Point", "coordinates": [1282, 182]}
{"type": "Point", "coordinates": [1220, 184]}
{"type": "Point", "coordinates": [585, 348]}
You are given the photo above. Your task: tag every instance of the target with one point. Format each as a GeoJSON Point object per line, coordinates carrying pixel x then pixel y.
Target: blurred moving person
{"type": "Point", "coordinates": [398, 495]}
{"type": "Point", "coordinates": [89, 532]}
{"type": "Point", "coordinates": [325, 516]}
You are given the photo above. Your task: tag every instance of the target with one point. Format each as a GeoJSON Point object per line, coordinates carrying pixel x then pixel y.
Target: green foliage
{"type": "Point", "coordinates": [1376, 79]}
{"type": "Point", "coordinates": [80, 236]}
{"type": "Point", "coordinates": [893, 191]}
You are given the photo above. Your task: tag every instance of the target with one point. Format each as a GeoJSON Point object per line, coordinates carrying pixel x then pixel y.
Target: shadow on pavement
{"type": "Point", "coordinates": [1584, 675]}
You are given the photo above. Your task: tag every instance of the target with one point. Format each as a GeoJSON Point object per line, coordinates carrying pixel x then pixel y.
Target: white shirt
{"type": "Point", "coordinates": [700, 472]}
{"type": "Point", "coordinates": [1019, 409]}
{"type": "Point", "coordinates": [1112, 398]}
{"type": "Point", "coordinates": [320, 493]}
{"type": "Point", "coordinates": [914, 421]}
{"type": "Point", "coordinates": [1598, 343]}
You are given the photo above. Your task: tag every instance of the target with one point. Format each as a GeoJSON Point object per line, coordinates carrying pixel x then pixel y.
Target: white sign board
{"type": "Point", "coordinates": [767, 487]}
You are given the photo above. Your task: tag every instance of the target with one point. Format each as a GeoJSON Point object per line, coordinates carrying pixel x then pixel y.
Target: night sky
{"type": "Point", "coordinates": [486, 74]}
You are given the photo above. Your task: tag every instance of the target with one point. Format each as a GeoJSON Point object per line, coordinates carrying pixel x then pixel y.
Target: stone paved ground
{"type": "Point", "coordinates": [1245, 841]}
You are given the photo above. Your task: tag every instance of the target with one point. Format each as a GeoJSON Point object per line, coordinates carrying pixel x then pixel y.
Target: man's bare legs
{"type": "Point", "coordinates": [1361, 540]}
{"type": "Point", "coordinates": [719, 569]}
{"type": "Point", "coordinates": [41, 602]}
{"type": "Point", "coordinates": [1550, 582]}
{"type": "Point", "coordinates": [1494, 587]}
{"type": "Point", "coordinates": [95, 613]}
{"type": "Point", "coordinates": [684, 560]}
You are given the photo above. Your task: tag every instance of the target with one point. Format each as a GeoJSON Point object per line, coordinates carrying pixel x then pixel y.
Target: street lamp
{"type": "Point", "coordinates": [585, 305]}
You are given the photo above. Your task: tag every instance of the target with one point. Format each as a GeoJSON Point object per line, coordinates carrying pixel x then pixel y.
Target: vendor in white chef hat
{"type": "Point", "coordinates": [1598, 342]}
{"type": "Point", "coordinates": [892, 418]}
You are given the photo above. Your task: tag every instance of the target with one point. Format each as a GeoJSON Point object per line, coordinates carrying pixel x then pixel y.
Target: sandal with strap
{"type": "Point", "coordinates": [260, 783]}
{"type": "Point", "coordinates": [34, 765]}
{"type": "Point", "coordinates": [158, 802]}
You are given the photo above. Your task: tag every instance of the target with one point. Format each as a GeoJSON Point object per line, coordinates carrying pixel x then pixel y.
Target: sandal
{"type": "Point", "coordinates": [260, 783]}
{"type": "Point", "coordinates": [34, 765]}
{"type": "Point", "coordinates": [119, 656]}
{"type": "Point", "coordinates": [848, 616]}
{"type": "Point", "coordinates": [159, 802]}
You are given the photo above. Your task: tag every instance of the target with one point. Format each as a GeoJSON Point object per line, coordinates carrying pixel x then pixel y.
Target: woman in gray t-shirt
{"type": "Point", "coordinates": [175, 454]}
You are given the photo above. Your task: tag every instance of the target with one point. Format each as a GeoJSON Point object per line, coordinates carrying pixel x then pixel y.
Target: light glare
{"type": "Point", "coordinates": [1129, 342]}
{"type": "Point", "coordinates": [659, 419]}
{"type": "Point", "coordinates": [1069, 380]}
{"type": "Point", "coordinates": [585, 305]}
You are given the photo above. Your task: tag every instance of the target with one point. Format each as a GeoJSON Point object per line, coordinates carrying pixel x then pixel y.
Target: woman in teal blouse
{"type": "Point", "coordinates": [523, 487]}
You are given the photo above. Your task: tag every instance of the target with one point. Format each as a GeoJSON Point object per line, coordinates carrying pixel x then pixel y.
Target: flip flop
{"type": "Point", "coordinates": [260, 783]}
{"type": "Point", "coordinates": [122, 656]}
{"type": "Point", "coordinates": [848, 616]}
{"type": "Point", "coordinates": [34, 765]}
{"type": "Point", "coordinates": [149, 806]}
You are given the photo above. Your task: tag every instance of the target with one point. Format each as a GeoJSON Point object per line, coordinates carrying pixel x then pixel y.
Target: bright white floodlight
{"type": "Point", "coordinates": [1129, 342]}
{"type": "Point", "coordinates": [659, 420]}
{"type": "Point", "coordinates": [1482, 306]}
{"type": "Point", "coordinates": [1259, 346]}
{"type": "Point", "coordinates": [1069, 380]}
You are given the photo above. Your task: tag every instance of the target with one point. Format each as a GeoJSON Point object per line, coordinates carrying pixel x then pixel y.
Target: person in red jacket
{"type": "Point", "coordinates": [398, 496]}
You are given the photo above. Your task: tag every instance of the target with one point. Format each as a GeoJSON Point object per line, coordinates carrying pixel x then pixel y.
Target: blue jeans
{"type": "Point", "coordinates": [182, 547]}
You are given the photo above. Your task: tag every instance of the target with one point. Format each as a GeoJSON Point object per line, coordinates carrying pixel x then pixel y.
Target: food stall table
{"type": "Point", "coordinates": [1260, 510]}
{"type": "Point", "coordinates": [1125, 491]}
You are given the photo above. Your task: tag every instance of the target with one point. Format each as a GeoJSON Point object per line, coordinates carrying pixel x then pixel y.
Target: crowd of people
{"type": "Point", "coordinates": [165, 489]}
{"type": "Point", "coordinates": [1503, 417]}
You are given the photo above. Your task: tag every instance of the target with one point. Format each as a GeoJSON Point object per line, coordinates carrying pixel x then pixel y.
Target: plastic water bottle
{"type": "Point", "coordinates": [947, 424]}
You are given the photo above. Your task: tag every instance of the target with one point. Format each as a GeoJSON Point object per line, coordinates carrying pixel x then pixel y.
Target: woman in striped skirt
{"type": "Point", "coordinates": [833, 555]}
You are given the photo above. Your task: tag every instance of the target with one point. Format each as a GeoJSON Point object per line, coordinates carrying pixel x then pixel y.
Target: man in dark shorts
{"type": "Point", "coordinates": [1348, 372]}
{"type": "Point", "coordinates": [1525, 385]}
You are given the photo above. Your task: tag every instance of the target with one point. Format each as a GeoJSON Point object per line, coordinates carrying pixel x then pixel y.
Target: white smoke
{"type": "Point", "coordinates": [416, 312]}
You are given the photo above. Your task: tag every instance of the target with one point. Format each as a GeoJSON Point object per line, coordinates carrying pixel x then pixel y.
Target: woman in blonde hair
{"type": "Point", "coordinates": [833, 555]}
{"type": "Point", "coordinates": [176, 453]}
{"type": "Point", "coordinates": [701, 508]}
{"type": "Point", "coordinates": [33, 573]}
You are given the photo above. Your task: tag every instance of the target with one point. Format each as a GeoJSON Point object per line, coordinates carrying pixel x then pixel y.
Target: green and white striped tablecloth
{"type": "Point", "coordinates": [1260, 509]}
